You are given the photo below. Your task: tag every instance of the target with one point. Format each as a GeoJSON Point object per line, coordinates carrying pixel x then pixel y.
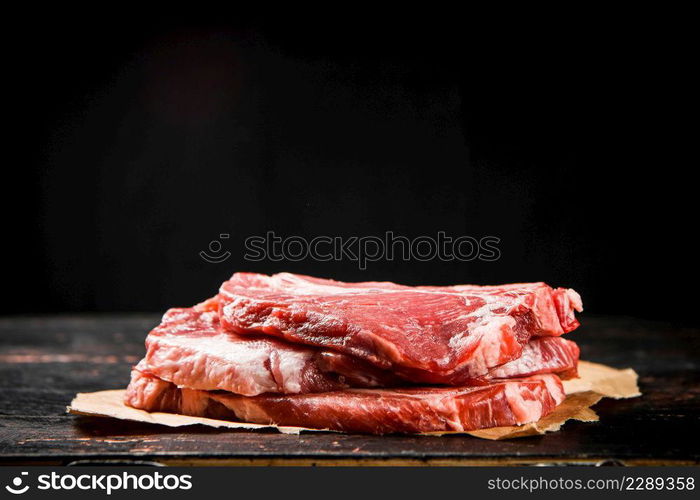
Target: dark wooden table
{"type": "Point", "coordinates": [45, 361]}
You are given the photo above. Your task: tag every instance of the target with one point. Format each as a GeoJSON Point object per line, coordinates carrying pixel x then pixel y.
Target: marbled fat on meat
{"type": "Point", "coordinates": [189, 349]}
{"type": "Point", "coordinates": [436, 335]}
{"type": "Point", "coordinates": [542, 355]}
{"type": "Point", "coordinates": [301, 351]}
{"type": "Point", "coordinates": [374, 411]}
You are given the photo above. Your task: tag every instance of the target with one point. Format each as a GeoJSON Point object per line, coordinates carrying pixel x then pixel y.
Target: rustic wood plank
{"type": "Point", "coordinates": [45, 361]}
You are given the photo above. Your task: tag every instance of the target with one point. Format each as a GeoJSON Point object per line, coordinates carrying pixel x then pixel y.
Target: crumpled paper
{"type": "Point", "coordinates": [595, 382]}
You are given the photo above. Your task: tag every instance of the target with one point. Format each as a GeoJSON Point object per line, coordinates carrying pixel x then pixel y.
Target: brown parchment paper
{"type": "Point", "coordinates": [595, 382]}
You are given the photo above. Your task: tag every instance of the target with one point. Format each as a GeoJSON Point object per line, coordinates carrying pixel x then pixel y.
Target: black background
{"type": "Point", "coordinates": [139, 138]}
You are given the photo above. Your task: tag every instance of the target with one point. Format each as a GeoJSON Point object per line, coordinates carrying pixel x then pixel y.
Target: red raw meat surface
{"type": "Point", "coordinates": [189, 349]}
{"type": "Point", "coordinates": [542, 355]}
{"type": "Point", "coordinates": [436, 335]}
{"type": "Point", "coordinates": [375, 411]}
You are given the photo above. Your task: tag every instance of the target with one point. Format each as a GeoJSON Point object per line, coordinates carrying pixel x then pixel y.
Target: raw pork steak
{"type": "Point", "coordinates": [375, 411]}
{"type": "Point", "coordinates": [439, 335]}
{"type": "Point", "coordinates": [189, 349]}
{"type": "Point", "coordinates": [542, 355]}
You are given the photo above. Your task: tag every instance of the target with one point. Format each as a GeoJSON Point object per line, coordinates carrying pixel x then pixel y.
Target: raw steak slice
{"type": "Point", "coordinates": [542, 355]}
{"type": "Point", "coordinates": [552, 310]}
{"type": "Point", "coordinates": [539, 355]}
{"type": "Point", "coordinates": [437, 335]}
{"type": "Point", "coordinates": [374, 411]}
{"type": "Point", "coordinates": [189, 349]}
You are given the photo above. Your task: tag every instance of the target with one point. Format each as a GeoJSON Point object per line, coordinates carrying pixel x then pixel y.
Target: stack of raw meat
{"type": "Point", "coordinates": [371, 357]}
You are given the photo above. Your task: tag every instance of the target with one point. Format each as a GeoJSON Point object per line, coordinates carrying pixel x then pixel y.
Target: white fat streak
{"type": "Point", "coordinates": [240, 365]}
{"type": "Point", "coordinates": [530, 357]}
{"type": "Point", "coordinates": [291, 366]}
{"type": "Point", "coordinates": [493, 298]}
{"type": "Point", "coordinates": [575, 299]}
{"type": "Point", "coordinates": [245, 409]}
{"type": "Point", "coordinates": [554, 387]}
{"type": "Point", "coordinates": [450, 411]}
{"type": "Point", "coordinates": [525, 411]}
{"type": "Point", "coordinates": [490, 337]}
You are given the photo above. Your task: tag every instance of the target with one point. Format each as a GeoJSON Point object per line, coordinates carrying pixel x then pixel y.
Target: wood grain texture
{"type": "Point", "coordinates": [45, 361]}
